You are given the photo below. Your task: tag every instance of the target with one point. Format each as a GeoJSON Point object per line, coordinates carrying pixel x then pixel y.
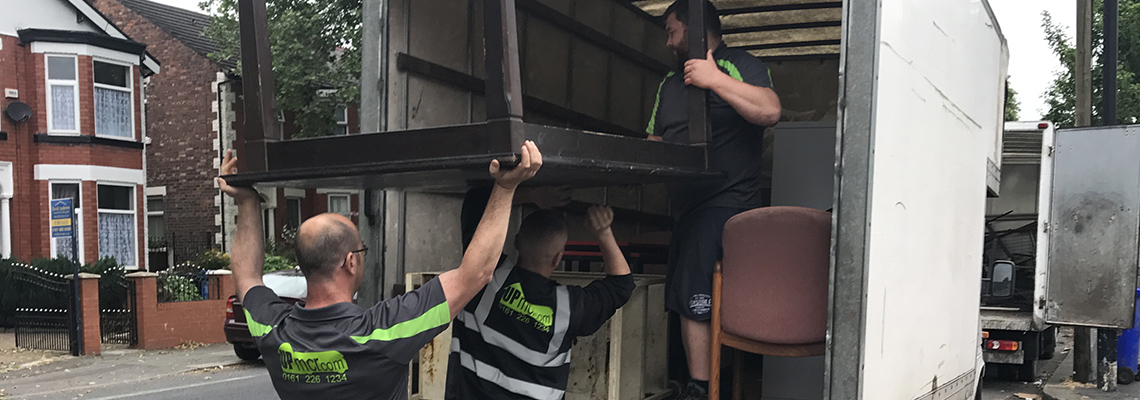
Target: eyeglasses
{"type": "Point", "coordinates": [363, 251]}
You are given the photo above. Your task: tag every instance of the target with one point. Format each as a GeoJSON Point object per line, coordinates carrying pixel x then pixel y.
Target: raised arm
{"type": "Point", "coordinates": [601, 298]}
{"type": "Point", "coordinates": [758, 105]}
{"type": "Point", "coordinates": [600, 218]}
{"type": "Point", "coordinates": [460, 285]}
{"type": "Point", "coordinates": [248, 256]}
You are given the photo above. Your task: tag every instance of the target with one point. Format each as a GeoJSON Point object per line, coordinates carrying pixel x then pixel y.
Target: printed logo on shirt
{"type": "Point", "coordinates": [304, 363]}
{"type": "Point", "coordinates": [513, 303]}
{"type": "Point", "coordinates": [700, 304]}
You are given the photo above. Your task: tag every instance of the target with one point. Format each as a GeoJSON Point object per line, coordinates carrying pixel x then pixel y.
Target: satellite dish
{"type": "Point", "coordinates": [18, 111]}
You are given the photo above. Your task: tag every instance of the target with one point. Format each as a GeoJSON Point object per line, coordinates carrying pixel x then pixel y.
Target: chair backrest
{"type": "Point", "coordinates": [775, 265]}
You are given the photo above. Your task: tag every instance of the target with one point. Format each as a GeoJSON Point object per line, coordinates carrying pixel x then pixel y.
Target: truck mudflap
{"type": "Point", "coordinates": [1004, 357]}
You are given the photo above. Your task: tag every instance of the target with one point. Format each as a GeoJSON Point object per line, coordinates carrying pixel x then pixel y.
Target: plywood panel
{"type": "Point", "coordinates": [433, 238]}
{"type": "Point", "coordinates": [628, 27]}
{"type": "Point", "coordinates": [595, 14]}
{"type": "Point", "coordinates": [439, 31]}
{"type": "Point", "coordinates": [626, 94]}
{"type": "Point", "coordinates": [589, 79]}
{"type": "Point", "coordinates": [434, 104]}
{"type": "Point", "coordinates": [547, 57]}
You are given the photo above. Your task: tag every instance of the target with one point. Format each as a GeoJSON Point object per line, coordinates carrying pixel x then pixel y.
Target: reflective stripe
{"type": "Point", "coordinates": [475, 322]}
{"type": "Point", "coordinates": [494, 338]}
{"type": "Point", "coordinates": [435, 317]}
{"type": "Point", "coordinates": [731, 69]}
{"type": "Point", "coordinates": [256, 329]}
{"type": "Point", "coordinates": [656, 103]}
{"type": "Point", "coordinates": [494, 375]}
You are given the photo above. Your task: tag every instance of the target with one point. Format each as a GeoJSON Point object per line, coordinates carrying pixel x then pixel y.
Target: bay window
{"type": "Point", "coordinates": [63, 90]}
{"type": "Point", "coordinates": [114, 108]}
{"type": "Point", "coordinates": [117, 238]}
{"type": "Point", "coordinates": [62, 247]}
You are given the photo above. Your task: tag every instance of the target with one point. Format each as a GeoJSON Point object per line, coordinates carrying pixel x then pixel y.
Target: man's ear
{"type": "Point", "coordinates": [349, 262]}
{"type": "Point", "coordinates": [557, 259]}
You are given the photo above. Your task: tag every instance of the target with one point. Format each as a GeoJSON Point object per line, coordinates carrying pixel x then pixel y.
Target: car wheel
{"type": "Point", "coordinates": [247, 353]}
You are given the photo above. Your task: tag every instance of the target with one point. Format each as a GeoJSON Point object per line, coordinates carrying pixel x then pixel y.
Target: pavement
{"type": "Point", "coordinates": [1062, 387]}
{"type": "Point", "coordinates": [190, 372]}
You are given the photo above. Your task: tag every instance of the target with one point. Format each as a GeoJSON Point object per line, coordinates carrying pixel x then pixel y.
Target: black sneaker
{"type": "Point", "coordinates": [694, 392]}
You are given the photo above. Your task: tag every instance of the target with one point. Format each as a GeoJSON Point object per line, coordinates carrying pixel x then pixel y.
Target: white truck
{"type": "Point", "coordinates": [1061, 244]}
{"type": "Point", "coordinates": [1015, 261]}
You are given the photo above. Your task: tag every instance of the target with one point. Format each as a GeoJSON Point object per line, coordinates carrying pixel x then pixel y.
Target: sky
{"type": "Point", "coordinates": [1031, 63]}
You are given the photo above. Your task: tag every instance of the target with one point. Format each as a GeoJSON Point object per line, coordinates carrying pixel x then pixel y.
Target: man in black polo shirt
{"type": "Point", "coordinates": [741, 105]}
{"type": "Point", "coordinates": [513, 341]}
{"type": "Point", "coordinates": [330, 348]}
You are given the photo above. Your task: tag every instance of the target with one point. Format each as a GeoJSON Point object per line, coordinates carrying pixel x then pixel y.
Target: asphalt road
{"type": "Point", "coordinates": [244, 381]}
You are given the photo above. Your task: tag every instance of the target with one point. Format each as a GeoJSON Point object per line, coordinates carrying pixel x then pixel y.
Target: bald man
{"type": "Point", "coordinates": [330, 348]}
{"type": "Point", "coordinates": [514, 341]}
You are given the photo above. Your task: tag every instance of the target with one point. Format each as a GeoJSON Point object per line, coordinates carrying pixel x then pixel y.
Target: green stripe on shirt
{"type": "Point", "coordinates": [731, 69]}
{"type": "Point", "coordinates": [653, 116]}
{"type": "Point", "coordinates": [433, 318]}
{"type": "Point", "coordinates": [256, 329]}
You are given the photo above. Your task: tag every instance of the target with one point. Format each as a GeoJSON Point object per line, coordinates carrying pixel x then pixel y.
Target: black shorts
{"type": "Point", "coordinates": [693, 252]}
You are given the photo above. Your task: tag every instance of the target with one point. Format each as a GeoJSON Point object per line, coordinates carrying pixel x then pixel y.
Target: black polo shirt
{"type": "Point", "coordinates": [735, 145]}
{"type": "Point", "coordinates": [343, 351]}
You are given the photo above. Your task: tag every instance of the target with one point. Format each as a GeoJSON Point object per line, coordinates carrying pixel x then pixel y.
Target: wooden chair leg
{"type": "Point", "coordinates": [737, 374]}
{"type": "Point", "coordinates": [714, 351]}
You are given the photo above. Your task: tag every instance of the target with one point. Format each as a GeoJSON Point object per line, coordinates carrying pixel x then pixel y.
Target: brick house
{"type": "Point", "coordinates": [81, 80]}
{"type": "Point", "coordinates": [194, 113]}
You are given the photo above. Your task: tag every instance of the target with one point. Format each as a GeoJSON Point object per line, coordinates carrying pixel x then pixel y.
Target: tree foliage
{"type": "Point", "coordinates": [1060, 96]}
{"type": "Point", "coordinates": [1012, 105]}
{"type": "Point", "coordinates": [316, 54]}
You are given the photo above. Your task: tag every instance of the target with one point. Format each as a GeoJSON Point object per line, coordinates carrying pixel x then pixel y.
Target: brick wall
{"type": "Point", "coordinates": [179, 122]}
{"type": "Point", "coordinates": [165, 325]}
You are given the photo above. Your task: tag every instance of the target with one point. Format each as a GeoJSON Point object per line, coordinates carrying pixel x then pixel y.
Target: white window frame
{"type": "Point", "coordinates": [152, 213]}
{"type": "Point", "coordinates": [48, 82]}
{"type": "Point", "coordinates": [134, 213]}
{"type": "Point", "coordinates": [78, 216]}
{"type": "Point", "coordinates": [281, 122]}
{"type": "Point", "coordinates": [341, 123]}
{"type": "Point", "coordinates": [300, 214]}
{"type": "Point", "coordinates": [129, 89]}
{"type": "Point", "coordinates": [347, 201]}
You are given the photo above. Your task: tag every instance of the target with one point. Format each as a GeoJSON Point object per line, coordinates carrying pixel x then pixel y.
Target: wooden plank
{"type": "Point", "coordinates": [627, 342]}
{"type": "Point", "coordinates": [656, 380]}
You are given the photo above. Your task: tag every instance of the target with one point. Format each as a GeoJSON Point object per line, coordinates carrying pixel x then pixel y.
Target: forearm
{"type": "Point", "coordinates": [248, 256]}
{"type": "Point", "coordinates": [758, 105]}
{"type": "Point", "coordinates": [611, 254]}
{"type": "Point", "coordinates": [481, 257]}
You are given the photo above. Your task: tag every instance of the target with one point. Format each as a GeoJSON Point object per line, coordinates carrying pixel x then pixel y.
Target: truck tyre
{"type": "Point", "coordinates": [1048, 343]}
{"type": "Point", "coordinates": [248, 353]}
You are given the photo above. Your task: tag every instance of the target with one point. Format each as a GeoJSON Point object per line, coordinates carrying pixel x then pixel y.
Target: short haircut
{"type": "Point", "coordinates": [319, 253]}
{"type": "Point", "coordinates": [681, 8]}
{"type": "Point", "coordinates": [538, 230]}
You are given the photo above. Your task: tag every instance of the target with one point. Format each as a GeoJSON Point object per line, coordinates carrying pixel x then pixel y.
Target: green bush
{"type": "Point", "coordinates": [212, 259]}
{"type": "Point", "coordinates": [277, 263]}
{"type": "Point", "coordinates": [181, 288]}
{"type": "Point", "coordinates": [180, 283]}
{"type": "Point", "coordinates": [112, 282]}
